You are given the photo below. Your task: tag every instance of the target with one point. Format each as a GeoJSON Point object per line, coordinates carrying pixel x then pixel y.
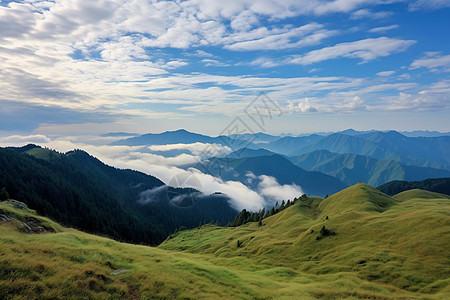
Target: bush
{"type": "Point", "coordinates": [324, 232]}
{"type": "Point", "coordinates": [4, 194]}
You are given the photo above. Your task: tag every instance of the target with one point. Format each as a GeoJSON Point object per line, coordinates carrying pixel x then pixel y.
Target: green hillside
{"type": "Point", "coordinates": [403, 244]}
{"type": "Point", "coordinates": [374, 247]}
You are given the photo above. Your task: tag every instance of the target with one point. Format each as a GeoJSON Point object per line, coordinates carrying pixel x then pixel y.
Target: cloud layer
{"type": "Point", "coordinates": [165, 168]}
{"type": "Point", "coordinates": [128, 62]}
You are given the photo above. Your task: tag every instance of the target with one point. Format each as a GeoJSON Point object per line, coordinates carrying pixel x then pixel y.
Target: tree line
{"type": "Point", "coordinates": [245, 216]}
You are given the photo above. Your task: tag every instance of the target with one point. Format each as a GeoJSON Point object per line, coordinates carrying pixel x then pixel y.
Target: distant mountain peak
{"type": "Point", "coordinates": [179, 130]}
{"type": "Point", "coordinates": [347, 131]}
{"type": "Point", "coordinates": [394, 133]}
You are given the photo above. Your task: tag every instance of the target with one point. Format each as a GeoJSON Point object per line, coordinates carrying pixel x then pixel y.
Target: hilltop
{"type": "Point", "coordinates": [401, 242]}
{"type": "Point", "coordinates": [376, 247]}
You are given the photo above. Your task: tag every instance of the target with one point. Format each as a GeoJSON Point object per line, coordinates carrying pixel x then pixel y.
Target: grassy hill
{"type": "Point", "coordinates": [377, 247]}
{"type": "Point", "coordinates": [398, 243]}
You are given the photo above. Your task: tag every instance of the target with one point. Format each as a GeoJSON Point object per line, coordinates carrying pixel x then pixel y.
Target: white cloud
{"type": "Point", "coordinates": [365, 14]}
{"type": "Point", "coordinates": [280, 38]}
{"type": "Point", "coordinates": [133, 157]}
{"type": "Point", "coordinates": [19, 140]}
{"type": "Point", "coordinates": [198, 149]}
{"type": "Point", "coordinates": [152, 195]}
{"type": "Point", "coordinates": [271, 189]}
{"type": "Point", "coordinates": [433, 61]}
{"type": "Point", "coordinates": [383, 28]}
{"type": "Point", "coordinates": [366, 50]}
{"type": "Point", "coordinates": [435, 97]}
{"type": "Point", "coordinates": [274, 9]}
{"type": "Point", "coordinates": [241, 196]}
{"type": "Point", "coordinates": [201, 53]}
{"type": "Point", "coordinates": [428, 4]}
{"type": "Point", "coordinates": [264, 62]}
{"type": "Point", "coordinates": [385, 73]}
{"type": "Point", "coordinates": [302, 106]}
{"type": "Point", "coordinates": [244, 21]}
{"type": "Point", "coordinates": [164, 168]}
{"type": "Point", "coordinates": [123, 49]}
{"type": "Point", "coordinates": [214, 62]}
{"type": "Point", "coordinates": [106, 57]}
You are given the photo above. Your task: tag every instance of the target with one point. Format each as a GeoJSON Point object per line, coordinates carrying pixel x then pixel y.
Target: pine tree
{"type": "Point", "coordinates": [272, 212]}
{"type": "Point", "coordinates": [4, 194]}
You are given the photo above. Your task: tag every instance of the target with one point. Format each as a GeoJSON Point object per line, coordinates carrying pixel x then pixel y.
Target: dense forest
{"type": "Point", "coordinates": [80, 191]}
{"type": "Point", "coordinates": [437, 185]}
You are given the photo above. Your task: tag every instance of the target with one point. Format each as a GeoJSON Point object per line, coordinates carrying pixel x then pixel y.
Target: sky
{"type": "Point", "coordinates": [76, 67]}
{"type": "Point", "coordinates": [73, 70]}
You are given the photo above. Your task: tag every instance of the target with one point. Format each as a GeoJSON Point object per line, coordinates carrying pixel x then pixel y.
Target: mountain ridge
{"type": "Point", "coordinates": [438, 185]}
{"type": "Point", "coordinates": [352, 168]}
{"type": "Point", "coordinates": [79, 190]}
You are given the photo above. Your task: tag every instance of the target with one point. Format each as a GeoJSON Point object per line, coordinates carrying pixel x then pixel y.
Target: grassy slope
{"type": "Point", "coordinates": [370, 257]}
{"type": "Point", "coordinates": [403, 243]}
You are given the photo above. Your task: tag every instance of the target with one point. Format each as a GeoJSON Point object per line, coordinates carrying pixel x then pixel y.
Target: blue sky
{"type": "Point", "coordinates": [74, 67]}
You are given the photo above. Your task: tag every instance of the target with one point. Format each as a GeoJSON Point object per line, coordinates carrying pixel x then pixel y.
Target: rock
{"type": "Point", "coordinates": [17, 204]}
{"type": "Point", "coordinates": [6, 216]}
{"type": "Point", "coordinates": [119, 271]}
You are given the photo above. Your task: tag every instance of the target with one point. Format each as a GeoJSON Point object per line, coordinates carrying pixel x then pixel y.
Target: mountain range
{"type": "Point", "coordinates": [417, 151]}
{"type": "Point", "coordinates": [353, 168]}
{"type": "Point", "coordinates": [78, 190]}
{"type": "Point", "coordinates": [373, 157]}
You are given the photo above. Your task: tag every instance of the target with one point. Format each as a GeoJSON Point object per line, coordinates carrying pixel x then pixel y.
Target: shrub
{"type": "Point", "coordinates": [4, 194]}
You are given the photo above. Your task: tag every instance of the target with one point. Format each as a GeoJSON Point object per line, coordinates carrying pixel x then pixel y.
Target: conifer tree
{"type": "Point", "coordinates": [4, 194]}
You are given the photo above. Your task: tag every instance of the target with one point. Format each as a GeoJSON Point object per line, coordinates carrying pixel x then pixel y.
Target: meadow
{"type": "Point", "coordinates": [375, 247]}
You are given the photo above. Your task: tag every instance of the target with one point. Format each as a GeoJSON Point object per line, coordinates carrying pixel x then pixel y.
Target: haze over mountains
{"type": "Point", "coordinates": [188, 178]}
{"type": "Point", "coordinates": [373, 157]}
{"type": "Point", "coordinates": [307, 222]}
{"type": "Point", "coordinates": [352, 168]}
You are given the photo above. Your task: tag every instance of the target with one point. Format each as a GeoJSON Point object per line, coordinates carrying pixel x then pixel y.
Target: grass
{"type": "Point", "coordinates": [400, 252]}
{"type": "Point", "coordinates": [402, 241]}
